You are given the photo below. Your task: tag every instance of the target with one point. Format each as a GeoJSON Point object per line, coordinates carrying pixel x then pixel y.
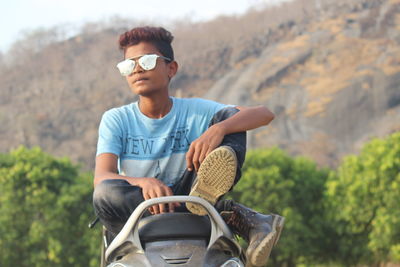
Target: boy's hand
{"type": "Point", "coordinates": [203, 145]}
{"type": "Point", "coordinates": [152, 188]}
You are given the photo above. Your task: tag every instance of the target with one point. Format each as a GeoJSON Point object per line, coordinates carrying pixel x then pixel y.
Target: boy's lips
{"type": "Point", "coordinates": [142, 79]}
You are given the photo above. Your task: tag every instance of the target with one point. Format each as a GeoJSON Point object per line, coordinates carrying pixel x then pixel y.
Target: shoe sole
{"type": "Point", "coordinates": [262, 252]}
{"type": "Point", "coordinates": [215, 177]}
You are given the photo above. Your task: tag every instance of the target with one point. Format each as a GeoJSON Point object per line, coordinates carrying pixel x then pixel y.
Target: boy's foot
{"type": "Point", "coordinates": [260, 245]}
{"type": "Point", "coordinates": [261, 231]}
{"type": "Point", "coordinates": [215, 177]}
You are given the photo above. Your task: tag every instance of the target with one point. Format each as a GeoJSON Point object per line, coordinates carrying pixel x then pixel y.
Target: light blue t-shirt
{"type": "Point", "coordinates": [149, 147]}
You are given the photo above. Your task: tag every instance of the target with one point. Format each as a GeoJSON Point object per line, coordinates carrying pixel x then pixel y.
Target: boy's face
{"type": "Point", "coordinates": [149, 82]}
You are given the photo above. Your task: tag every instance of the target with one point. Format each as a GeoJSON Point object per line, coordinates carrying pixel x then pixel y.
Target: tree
{"type": "Point", "coordinates": [364, 198]}
{"type": "Point", "coordinates": [45, 206]}
{"type": "Point", "coordinates": [293, 187]}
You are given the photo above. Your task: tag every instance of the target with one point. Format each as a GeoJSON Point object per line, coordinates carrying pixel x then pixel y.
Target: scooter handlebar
{"type": "Point", "coordinates": [218, 226]}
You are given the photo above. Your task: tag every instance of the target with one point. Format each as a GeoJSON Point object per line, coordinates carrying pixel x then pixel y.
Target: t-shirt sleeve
{"type": "Point", "coordinates": [203, 112]}
{"type": "Point", "coordinates": [212, 107]}
{"type": "Point", "coordinates": [110, 134]}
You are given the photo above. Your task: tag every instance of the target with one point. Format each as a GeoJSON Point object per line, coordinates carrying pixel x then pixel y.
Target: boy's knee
{"type": "Point", "coordinates": [108, 191]}
{"type": "Point", "coordinates": [100, 191]}
{"type": "Point", "coordinates": [223, 114]}
{"type": "Point", "coordinates": [229, 111]}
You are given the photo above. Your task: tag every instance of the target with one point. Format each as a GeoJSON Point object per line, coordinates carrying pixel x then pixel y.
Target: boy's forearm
{"type": "Point", "coordinates": [247, 119]}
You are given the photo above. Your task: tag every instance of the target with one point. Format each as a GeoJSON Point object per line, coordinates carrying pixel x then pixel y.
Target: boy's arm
{"type": "Point", "coordinates": [106, 168]}
{"type": "Point", "coordinates": [247, 118]}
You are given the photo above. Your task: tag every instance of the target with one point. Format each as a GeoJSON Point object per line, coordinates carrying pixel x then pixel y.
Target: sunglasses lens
{"type": "Point", "coordinates": [126, 67]}
{"type": "Point", "coordinates": [148, 62]}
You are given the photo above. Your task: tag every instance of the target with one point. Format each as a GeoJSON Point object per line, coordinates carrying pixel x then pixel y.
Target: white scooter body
{"type": "Point", "coordinates": [174, 239]}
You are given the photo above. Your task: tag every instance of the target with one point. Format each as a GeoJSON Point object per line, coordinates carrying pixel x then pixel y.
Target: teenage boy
{"type": "Point", "coordinates": [163, 146]}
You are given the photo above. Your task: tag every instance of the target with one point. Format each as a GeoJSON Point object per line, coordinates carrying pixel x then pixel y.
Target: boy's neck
{"type": "Point", "coordinates": [155, 107]}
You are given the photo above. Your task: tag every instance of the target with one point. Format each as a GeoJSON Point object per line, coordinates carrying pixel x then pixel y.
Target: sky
{"type": "Point", "coordinates": [21, 16]}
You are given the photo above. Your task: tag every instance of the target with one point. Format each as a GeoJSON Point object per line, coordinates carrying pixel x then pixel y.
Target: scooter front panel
{"type": "Point", "coordinates": [172, 253]}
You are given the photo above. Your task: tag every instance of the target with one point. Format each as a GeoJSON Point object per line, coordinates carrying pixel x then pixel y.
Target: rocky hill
{"type": "Point", "coordinates": [329, 70]}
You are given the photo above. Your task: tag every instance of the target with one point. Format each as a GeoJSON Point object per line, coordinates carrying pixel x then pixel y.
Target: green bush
{"type": "Point", "coordinates": [364, 204]}
{"type": "Point", "coordinates": [45, 206]}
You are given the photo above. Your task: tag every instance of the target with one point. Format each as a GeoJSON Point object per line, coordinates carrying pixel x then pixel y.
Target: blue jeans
{"type": "Point", "coordinates": [114, 200]}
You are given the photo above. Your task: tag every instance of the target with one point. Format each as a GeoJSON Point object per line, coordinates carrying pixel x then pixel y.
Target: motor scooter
{"type": "Point", "coordinates": [177, 239]}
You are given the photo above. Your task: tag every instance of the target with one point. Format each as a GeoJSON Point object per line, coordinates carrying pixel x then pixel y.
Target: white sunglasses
{"type": "Point", "coordinates": [146, 62]}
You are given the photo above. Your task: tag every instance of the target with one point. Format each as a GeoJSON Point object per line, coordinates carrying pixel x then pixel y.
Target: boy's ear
{"type": "Point", "coordinates": [172, 69]}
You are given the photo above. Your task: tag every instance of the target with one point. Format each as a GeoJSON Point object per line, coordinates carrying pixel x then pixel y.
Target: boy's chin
{"type": "Point", "coordinates": [146, 92]}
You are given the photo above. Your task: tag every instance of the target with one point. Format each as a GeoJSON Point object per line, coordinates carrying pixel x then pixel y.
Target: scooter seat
{"type": "Point", "coordinates": [177, 225]}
